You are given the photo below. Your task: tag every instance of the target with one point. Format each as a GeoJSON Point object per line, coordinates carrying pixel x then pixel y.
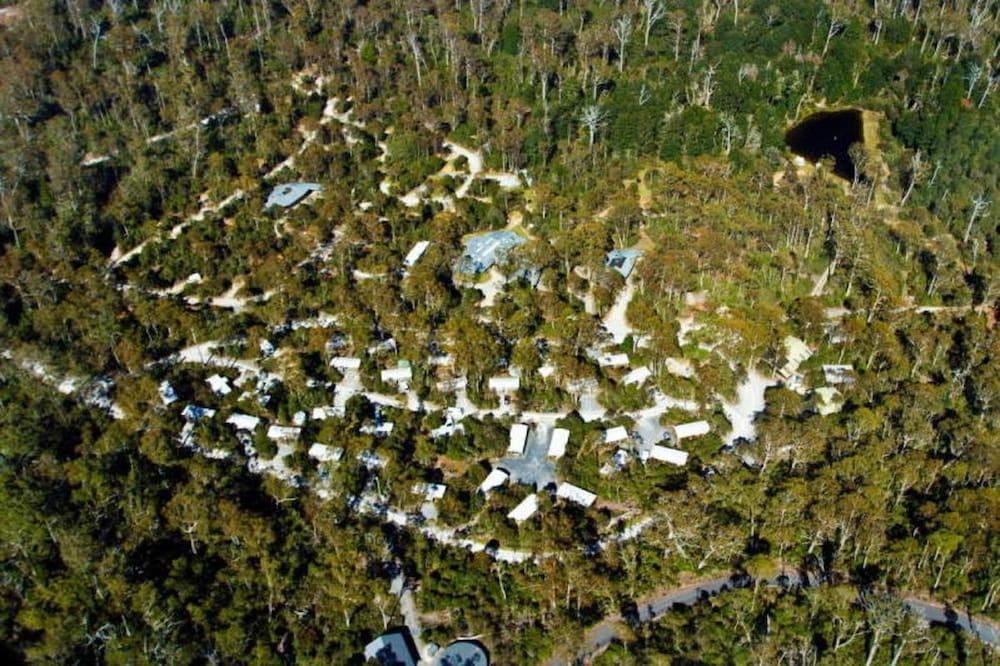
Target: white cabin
{"type": "Point", "coordinates": [526, 509]}
{"type": "Point", "coordinates": [518, 439]}
{"type": "Point", "coordinates": [557, 444]}
{"type": "Point", "coordinates": [575, 494]}
{"type": "Point", "coordinates": [669, 455]}
{"type": "Point", "coordinates": [616, 434]}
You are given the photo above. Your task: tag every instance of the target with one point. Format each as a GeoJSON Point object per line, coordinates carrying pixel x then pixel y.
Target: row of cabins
{"type": "Point", "coordinates": [482, 251]}
{"type": "Point", "coordinates": [557, 449]}
{"type": "Point", "coordinates": [519, 439]}
{"type": "Point", "coordinates": [567, 491]}
{"type": "Point", "coordinates": [485, 250]}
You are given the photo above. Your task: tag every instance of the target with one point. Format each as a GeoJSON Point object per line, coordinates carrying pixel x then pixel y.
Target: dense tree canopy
{"type": "Point", "coordinates": [138, 144]}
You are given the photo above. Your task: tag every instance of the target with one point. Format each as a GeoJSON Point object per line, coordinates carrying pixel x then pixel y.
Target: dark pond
{"type": "Point", "coordinates": [828, 134]}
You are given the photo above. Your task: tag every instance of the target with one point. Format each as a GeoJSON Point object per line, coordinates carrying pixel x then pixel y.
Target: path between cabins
{"type": "Point", "coordinates": [983, 308]}
{"type": "Point", "coordinates": [616, 321]}
{"type": "Point", "coordinates": [90, 159]}
{"type": "Point", "coordinates": [821, 281]}
{"type": "Point", "coordinates": [605, 631]}
{"type": "Point", "coordinates": [117, 257]}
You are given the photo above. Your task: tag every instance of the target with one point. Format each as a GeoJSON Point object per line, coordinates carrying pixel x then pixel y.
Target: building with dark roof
{"type": "Point", "coordinates": [623, 261]}
{"type": "Point", "coordinates": [286, 196]}
{"type": "Point", "coordinates": [464, 653]}
{"type": "Point", "coordinates": [484, 250]}
{"type": "Point", "coordinates": [393, 648]}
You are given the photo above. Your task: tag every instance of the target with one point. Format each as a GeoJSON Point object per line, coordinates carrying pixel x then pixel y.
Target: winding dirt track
{"type": "Point", "coordinates": [659, 603]}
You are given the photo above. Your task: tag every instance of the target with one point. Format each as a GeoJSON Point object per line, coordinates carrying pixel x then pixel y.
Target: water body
{"type": "Point", "coordinates": [828, 134]}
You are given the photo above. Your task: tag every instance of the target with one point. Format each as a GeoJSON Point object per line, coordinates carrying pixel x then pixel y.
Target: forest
{"type": "Point", "coordinates": [141, 275]}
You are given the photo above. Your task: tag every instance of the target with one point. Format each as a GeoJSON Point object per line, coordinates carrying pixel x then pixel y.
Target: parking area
{"type": "Point", "coordinates": [534, 467]}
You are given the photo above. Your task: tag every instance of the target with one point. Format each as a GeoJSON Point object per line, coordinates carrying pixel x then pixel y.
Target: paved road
{"type": "Point", "coordinates": [984, 630]}
{"type": "Point", "coordinates": [601, 635]}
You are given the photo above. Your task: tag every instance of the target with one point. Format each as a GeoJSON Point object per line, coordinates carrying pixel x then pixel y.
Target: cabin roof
{"type": "Point", "coordinates": [526, 509]}
{"type": "Point", "coordinates": [496, 478]}
{"type": "Point", "coordinates": [623, 261]}
{"type": "Point", "coordinates": [557, 444]}
{"type": "Point", "coordinates": [615, 434]}
{"type": "Point", "coordinates": [404, 374]}
{"type": "Point", "coordinates": [289, 194]}
{"type": "Point", "coordinates": [669, 455]}
{"type": "Point", "coordinates": [637, 376]}
{"type": "Point", "coordinates": [464, 653]}
{"type": "Point", "coordinates": [575, 494]}
{"type": "Point", "coordinates": [395, 648]}
{"type": "Point", "coordinates": [324, 453]}
{"type": "Point", "coordinates": [414, 255]}
{"type": "Point", "coordinates": [518, 438]}
{"type": "Point", "coordinates": [504, 384]}
{"type": "Point", "coordinates": [243, 421]}
{"type": "Point", "coordinates": [484, 250]}
{"type": "Point", "coordinates": [692, 429]}
{"type": "Point", "coordinates": [283, 433]}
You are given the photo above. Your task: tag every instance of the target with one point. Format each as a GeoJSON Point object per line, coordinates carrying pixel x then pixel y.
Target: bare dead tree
{"type": "Point", "coordinates": [676, 23]}
{"type": "Point", "coordinates": [979, 205]}
{"type": "Point", "coordinates": [654, 12]}
{"type": "Point", "coordinates": [97, 32]}
{"type": "Point", "coordinates": [832, 30]}
{"type": "Point", "coordinates": [917, 170]}
{"type": "Point", "coordinates": [592, 117]}
{"type": "Point", "coordinates": [622, 29]}
{"type": "Point", "coordinates": [418, 56]}
{"type": "Point", "coordinates": [974, 74]}
{"type": "Point", "coordinates": [729, 131]}
{"type": "Point", "coordinates": [990, 82]}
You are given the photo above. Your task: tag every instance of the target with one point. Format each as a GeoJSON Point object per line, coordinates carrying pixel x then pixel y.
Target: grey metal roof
{"type": "Point", "coordinates": [392, 649]}
{"type": "Point", "coordinates": [289, 194]}
{"type": "Point", "coordinates": [484, 250]}
{"type": "Point", "coordinates": [464, 653]}
{"type": "Point", "coordinates": [623, 261]}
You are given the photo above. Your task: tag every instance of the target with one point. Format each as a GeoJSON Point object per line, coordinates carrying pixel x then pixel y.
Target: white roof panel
{"type": "Point", "coordinates": [494, 479]}
{"type": "Point", "coordinates": [613, 360]}
{"type": "Point", "coordinates": [526, 509]}
{"type": "Point", "coordinates": [384, 429]}
{"type": "Point", "coordinates": [518, 438]}
{"type": "Point", "coordinates": [290, 194]}
{"type": "Point", "coordinates": [282, 433]}
{"type": "Point", "coordinates": [320, 413]}
{"type": "Point", "coordinates": [669, 455]}
{"type": "Point", "coordinates": [324, 453]}
{"type": "Point", "coordinates": [397, 375]}
{"type": "Point", "coordinates": [346, 362]}
{"type": "Point", "coordinates": [414, 255]}
{"type": "Point", "coordinates": [796, 350]}
{"type": "Point", "coordinates": [167, 393]}
{"type": "Point", "coordinates": [575, 494]}
{"type": "Point", "coordinates": [637, 376]}
{"type": "Point", "coordinates": [557, 445]}
{"type": "Point", "coordinates": [371, 460]}
{"type": "Point", "coordinates": [219, 385]}
{"type": "Point", "coordinates": [504, 384]}
{"type": "Point", "coordinates": [616, 434]}
{"type": "Point", "coordinates": [243, 421]}
{"type": "Point", "coordinates": [693, 429]}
